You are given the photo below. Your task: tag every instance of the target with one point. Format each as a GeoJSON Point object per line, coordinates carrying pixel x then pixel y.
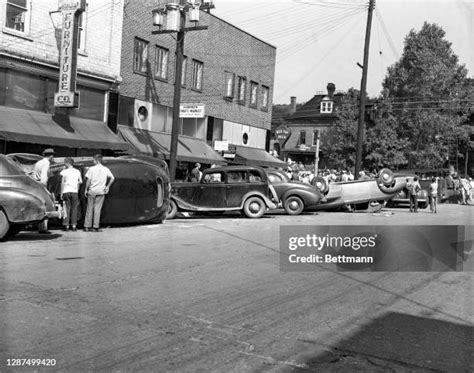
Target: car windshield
{"type": "Point", "coordinates": [9, 168]}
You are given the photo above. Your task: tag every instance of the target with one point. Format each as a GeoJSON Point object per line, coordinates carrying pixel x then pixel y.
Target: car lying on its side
{"type": "Point", "coordinates": [140, 193]}
{"type": "Point", "coordinates": [295, 197]}
{"type": "Point", "coordinates": [23, 200]}
{"type": "Point", "coordinates": [402, 198]}
{"type": "Point", "coordinates": [368, 195]}
{"type": "Point", "coordinates": [26, 161]}
{"type": "Point", "coordinates": [231, 188]}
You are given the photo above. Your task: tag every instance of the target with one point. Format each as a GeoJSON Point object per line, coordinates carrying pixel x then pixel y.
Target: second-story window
{"type": "Point", "coordinates": [140, 56]}
{"type": "Point", "coordinates": [82, 31]}
{"type": "Point", "coordinates": [302, 138]}
{"type": "Point", "coordinates": [197, 74]}
{"type": "Point", "coordinates": [229, 85]}
{"type": "Point", "coordinates": [242, 89]}
{"type": "Point", "coordinates": [253, 94]}
{"type": "Point", "coordinates": [265, 94]}
{"type": "Point", "coordinates": [17, 18]}
{"type": "Point", "coordinates": [161, 63]}
{"type": "Point", "coordinates": [184, 71]}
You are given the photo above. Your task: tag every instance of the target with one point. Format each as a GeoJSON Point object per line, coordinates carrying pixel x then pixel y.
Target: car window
{"type": "Point", "coordinates": [254, 176]}
{"type": "Point", "coordinates": [9, 168]}
{"type": "Point", "coordinates": [234, 177]}
{"type": "Point", "coordinates": [213, 177]}
{"type": "Point", "coordinates": [274, 178]}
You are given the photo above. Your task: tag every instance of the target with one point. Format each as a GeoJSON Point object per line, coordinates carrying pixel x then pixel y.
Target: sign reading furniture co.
{"type": "Point", "coordinates": [191, 111]}
{"type": "Point", "coordinates": [67, 96]}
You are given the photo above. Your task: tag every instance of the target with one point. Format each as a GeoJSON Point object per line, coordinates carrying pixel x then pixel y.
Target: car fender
{"type": "Point", "coordinates": [267, 200]}
{"type": "Point", "coordinates": [21, 207]}
{"type": "Point", "coordinates": [307, 197]}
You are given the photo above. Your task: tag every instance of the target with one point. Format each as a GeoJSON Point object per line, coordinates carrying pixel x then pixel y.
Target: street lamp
{"type": "Point", "coordinates": [175, 14]}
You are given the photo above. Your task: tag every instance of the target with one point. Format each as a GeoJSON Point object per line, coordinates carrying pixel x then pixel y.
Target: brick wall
{"type": "Point", "coordinates": [40, 43]}
{"type": "Point", "coordinates": [221, 48]}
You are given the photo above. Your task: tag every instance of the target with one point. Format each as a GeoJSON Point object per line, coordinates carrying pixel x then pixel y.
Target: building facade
{"type": "Point", "coordinates": [30, 43]}
{"type": "Point", "coordinates": [227, 71]}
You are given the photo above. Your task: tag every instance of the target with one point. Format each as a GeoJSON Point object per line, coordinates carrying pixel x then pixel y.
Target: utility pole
{"type": "Point", "coordinates": [316, 155]}
{"type": "Point", "coordinates": [183, 7]}
{"type": "Point", "coordinates": [363, 88]}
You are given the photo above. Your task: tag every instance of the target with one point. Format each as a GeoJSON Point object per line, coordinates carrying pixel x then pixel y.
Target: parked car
{"type": "Point", "coordinates": [140, 193]}
{"type": "Point", "coordinates": [295, 197]}
{"type": "Point", "coordinates": [22, 200]}
{"type": "Point", "coordinates": [403, 198]}
{"type": "Point", "coordinates": [363, 195]}
{"type": "Point", "coordinates": [231, 188]}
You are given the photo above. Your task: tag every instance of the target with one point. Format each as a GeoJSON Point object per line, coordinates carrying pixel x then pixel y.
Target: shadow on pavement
{"type": "Point", "coordinates": [400, 342]}
{"type": "Point", "coordinates": [34, 236]}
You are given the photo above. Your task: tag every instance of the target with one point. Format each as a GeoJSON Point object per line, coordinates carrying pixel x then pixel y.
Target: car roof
{"type": "Point", "coordinates": [234, 168]}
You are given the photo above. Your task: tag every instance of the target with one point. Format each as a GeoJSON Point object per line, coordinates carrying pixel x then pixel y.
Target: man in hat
{"type": "Point", "coordinates": [41, 174]}
{"type": "Point", "coordinates": [41, 170]}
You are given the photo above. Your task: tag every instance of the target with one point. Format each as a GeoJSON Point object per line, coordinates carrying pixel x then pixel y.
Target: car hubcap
{"type": "Point", "coordinates": [254, 207]}
{"type": "Point", "coordinates": [294, 205]}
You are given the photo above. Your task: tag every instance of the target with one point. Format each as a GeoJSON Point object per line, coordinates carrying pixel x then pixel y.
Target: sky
{"type": "Point", "coordinates": [321, 41]}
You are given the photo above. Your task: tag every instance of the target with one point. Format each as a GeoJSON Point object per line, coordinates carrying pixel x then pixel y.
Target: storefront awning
{"type": "Point", "coordinates": [152, 143]}
{"type": "Point", "coordinates": [41, 128]}
{"type": "Point", "coordinates": [256, 157]}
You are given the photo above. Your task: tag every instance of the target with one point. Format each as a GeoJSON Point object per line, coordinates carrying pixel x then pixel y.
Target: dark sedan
{"type": "Point", "coordinates": [295, 197]}
{"type": "Point", "coordinates": [22, 199]}
{"type": "Point", "coordinates": [232, 188]}
{"type": "Point", "coordinates": [140, 193]}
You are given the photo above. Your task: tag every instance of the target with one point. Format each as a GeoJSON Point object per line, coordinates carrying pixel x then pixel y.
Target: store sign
{"type": "Point", "coordinates": [282, 134]}
{"type": "Point", "coordinates": [230, 152]}
{"type": "Point", "coordinates": [67, 96]}
{"type": "Point", "coordinates": [191, 111]}
{"type": "Point", "coordinates": [221, 146]}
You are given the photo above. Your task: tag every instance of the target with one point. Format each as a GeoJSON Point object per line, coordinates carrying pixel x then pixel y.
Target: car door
{"type": "Point", "coordinates": [236, 187]}
{"type": "Point", "coordinates": [210, 193]}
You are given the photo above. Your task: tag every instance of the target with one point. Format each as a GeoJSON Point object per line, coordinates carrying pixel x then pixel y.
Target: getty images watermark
{"type": "Point", "coordinates": [374, 248]}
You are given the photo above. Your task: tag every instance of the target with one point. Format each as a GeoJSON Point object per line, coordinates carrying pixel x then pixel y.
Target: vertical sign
{"type": "Point", "coordinates": [66, 96]}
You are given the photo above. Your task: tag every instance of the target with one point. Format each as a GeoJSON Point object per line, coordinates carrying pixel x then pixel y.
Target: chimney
{"type": "Point", "coordinates": [331, 89]}
{"type": "Point", "coordinates": [292, 104]}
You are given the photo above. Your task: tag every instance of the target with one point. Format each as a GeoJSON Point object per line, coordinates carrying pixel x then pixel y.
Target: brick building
{"type": "Point", "coordinates": [226, 69]}
{"type": "Point", "coordinates": [30, 39]}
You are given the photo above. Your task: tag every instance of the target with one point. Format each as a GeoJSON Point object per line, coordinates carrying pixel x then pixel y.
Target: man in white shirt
{"type": "Point", "coordinates": [41, 170]}
{"type": "Point", "coordinates": [99, 179]}
{"type": "Point", "coordinates": [70, 180]}
{"type": "Point", "coordinates": [41, 174]}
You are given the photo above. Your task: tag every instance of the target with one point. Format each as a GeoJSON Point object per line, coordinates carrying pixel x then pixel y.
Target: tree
{"type": "Point", "coordinates": [428, 91]}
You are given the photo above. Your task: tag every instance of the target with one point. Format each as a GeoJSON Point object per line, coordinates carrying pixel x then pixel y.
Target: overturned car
{"type": "Point", "coordinates": [368, 195]}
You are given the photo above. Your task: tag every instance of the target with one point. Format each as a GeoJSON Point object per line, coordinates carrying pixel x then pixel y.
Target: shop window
{"type": "Point", "coordinates": [242, 89]}
{"type": "Point", "coordinates": [197, 75]}
{"type": "Point", "coordinates": [253, 94]}
{"type": "Point", "coordinates": [229, 85]}
{"type": "Point", "coordinates": [17, 15]}
{"type": "Point", "coordinates": [92, 103]}
{"type": "Point", "coordinates": [126, 110]}
{"type": "Point", "coordinates": [23, 91]}
{"type": "Point", "coordinates": [140, 56]}
{"type": "Point", "coordinates": [161, 63]}
{"type": "Point", "coordinates": [265, 97]}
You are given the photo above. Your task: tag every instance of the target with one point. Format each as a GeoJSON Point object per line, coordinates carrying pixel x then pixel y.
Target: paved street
{"type": "Point", "coordinates": [207, 295]}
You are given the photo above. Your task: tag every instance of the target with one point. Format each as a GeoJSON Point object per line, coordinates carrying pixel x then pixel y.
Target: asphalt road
{"type": "Point", "coordinates": [207, 295]}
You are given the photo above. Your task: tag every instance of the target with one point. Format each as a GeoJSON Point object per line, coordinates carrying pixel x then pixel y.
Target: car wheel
{"type": "Point", "coordinates": [423, 205]}
{"type": "Point", "coordinates": [321, 184]}
{"type": "Point", "coordinates": [386, 177]}
{"type": "Point", "coordinates": [4, 225]}
{"type": "Point", "coordinates": [254, 207]}
{"type": "Point", "coordinates": [172, 210]}
{"type": "Point", "coordinates": [293, 205]}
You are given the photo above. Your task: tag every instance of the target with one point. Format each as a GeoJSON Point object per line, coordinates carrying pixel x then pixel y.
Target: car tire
{"type": "Point", "coordinates": [293, 205]}
{"type": "Point", "coordinates": [254, 207]}
{"type": "Point", "coordinates": [4, 225]}
{"type": "Point", "coordinates": [321, 184]}
{"type": "Point", "coordinates": [172, 210]}
{"type": "Point", "coordinates": [423, 205]}
{"type": "Point", "coordinates": [386, 177]}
